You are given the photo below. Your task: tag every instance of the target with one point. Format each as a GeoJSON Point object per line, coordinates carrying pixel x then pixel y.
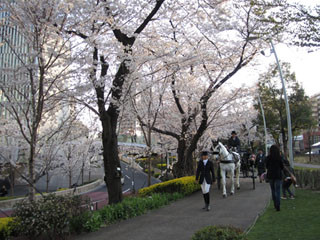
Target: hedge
{"type": "Point", "coordinates": [308, 177]}
{"type": "Point", "coordinates": [163, 165]}
{"type": "Point", "coordinates": [184, 185]}
{"type": "Point", "coordinates": [135, 206]}
{"type": "Point", "coordinates": [4, 228]}
{"type": "Point", "coordinates": [219, 233]}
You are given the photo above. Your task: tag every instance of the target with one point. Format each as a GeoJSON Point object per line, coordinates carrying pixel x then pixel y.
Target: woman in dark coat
{"type": "Point", "coordinates": [274, 166]}
{"type": "Point", "coordinates": [205, 175]}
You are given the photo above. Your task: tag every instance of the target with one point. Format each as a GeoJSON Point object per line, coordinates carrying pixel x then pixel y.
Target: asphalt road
{"type": "Point", "coordinates": [140, 180]}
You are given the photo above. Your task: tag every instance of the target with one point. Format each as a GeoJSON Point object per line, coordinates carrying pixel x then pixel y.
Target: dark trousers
{"type": "Point", "coordinates": [286, 188]}
{"type": "Point", "coordinates": [275, 185]}
{"type": "Point", "coordinates": [206, 198]}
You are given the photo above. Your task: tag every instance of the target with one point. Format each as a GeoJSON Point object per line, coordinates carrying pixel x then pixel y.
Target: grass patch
{"type": "Point", "coordinates": [315, 159]}
{"type": "Point", "coordinates": [305, 168]}
{"type": "Point", "coordinates": [9, 198]}
{"type": "Point", "coordinates": [298, 219]}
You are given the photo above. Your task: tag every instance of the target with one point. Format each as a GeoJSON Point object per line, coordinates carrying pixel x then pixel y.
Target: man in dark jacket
{"type": "Point", "coordinates": [260, 163]}
{"type": "Point", "coordinates": [205, 175]}
{"type": "Point", "coordinates": [234, 141]}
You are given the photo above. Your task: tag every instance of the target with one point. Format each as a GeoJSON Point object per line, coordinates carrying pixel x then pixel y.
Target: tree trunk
{"type": "Point", "coordinates": [31, 170]}
{"type": "Point", "coordinates": [184, 166]}
{"type": "Point", "coordinates": [12, 179]}
{"type": "Point", "coordinates": [285, 143]}
{"type": "Point", "coordinates": [47, 181]}
{"type": "Point", "coordinates": [149, 169]}
{"type": "Point", "coordinates": [82, 173]}
{"type": "Point", "coordinates": [110, 156]}
{"type": "Point", "coordinates": [149, 141]}
{"type": "Point", "coordinates": [70, 178]}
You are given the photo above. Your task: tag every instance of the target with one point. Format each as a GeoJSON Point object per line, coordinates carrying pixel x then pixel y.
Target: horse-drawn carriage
{"type": "Point", "coordinates": [248, 166]}
{"type": "Point", "coordinates": [234, 163]}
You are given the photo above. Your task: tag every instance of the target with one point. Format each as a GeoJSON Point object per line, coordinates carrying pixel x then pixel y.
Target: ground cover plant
{"type": "Point", "coordinates": [298, 219]}
{"type": "Point", "coordinates": [219, 233]}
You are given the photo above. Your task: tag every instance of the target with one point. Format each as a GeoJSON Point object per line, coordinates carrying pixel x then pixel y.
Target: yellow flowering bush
{"type": "Point", "coordinates": [184, 185]}
{"type": "Point", "coordinates": [4, 229]}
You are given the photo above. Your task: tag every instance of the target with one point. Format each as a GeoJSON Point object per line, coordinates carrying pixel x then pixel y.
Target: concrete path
{"type": "Point", "coordinates": [181, 219]}
{"type": "Point", "coordinates": [306, 165]}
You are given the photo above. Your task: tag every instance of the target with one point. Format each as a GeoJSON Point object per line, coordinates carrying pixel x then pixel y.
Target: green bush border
{"type": "Point", "coordinates": [308, 177]}
{"type": "Point", "coordinates": [219, 233]}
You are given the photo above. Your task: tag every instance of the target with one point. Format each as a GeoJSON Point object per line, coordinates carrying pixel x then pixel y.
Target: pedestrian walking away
{"type": "Point", "coordinates": [205, 175]}
{"type": "Point", "coordinates": [275, 167]}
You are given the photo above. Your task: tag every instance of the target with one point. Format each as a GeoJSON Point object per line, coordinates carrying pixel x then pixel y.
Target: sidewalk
{"type": "Point", "coordinates": [181, 219]}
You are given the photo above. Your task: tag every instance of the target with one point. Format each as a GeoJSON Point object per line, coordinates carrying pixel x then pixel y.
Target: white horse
{"type": "Point", "coordinates": [229, 162]}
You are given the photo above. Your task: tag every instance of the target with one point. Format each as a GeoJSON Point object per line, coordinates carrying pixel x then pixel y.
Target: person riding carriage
{"type": "Point", "coordinates": [234, 142]}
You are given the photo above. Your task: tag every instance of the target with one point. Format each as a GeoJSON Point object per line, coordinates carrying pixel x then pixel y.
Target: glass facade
{"type": "Point", "coordinates": [13, 57]}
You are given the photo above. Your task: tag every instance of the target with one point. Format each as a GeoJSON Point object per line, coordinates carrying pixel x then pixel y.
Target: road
{"type": "Point", "coordinates": [61, 181]}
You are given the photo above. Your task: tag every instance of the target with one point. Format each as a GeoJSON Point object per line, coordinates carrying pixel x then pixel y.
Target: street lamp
{"type": "Point", "coordinates": [286, 103]}
{"type": "Point", "coordinates": [264, 125]}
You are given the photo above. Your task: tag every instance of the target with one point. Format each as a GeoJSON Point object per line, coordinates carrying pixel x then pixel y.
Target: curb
{"type": "Point", "coordinates": [247, 231]}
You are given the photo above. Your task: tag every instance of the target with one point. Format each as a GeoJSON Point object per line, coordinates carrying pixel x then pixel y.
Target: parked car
{"type": "Point", "coordinates": [122, 178]}
{"type": "Point", "coordinates": [307, 153]}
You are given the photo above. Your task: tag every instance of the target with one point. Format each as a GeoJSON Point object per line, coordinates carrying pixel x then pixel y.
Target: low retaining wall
{"type": "Point", "coordinates": [8, 204]}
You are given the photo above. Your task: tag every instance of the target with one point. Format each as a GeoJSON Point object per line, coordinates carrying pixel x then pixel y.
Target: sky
{"type": "Point", "coordinates": [306, 66]}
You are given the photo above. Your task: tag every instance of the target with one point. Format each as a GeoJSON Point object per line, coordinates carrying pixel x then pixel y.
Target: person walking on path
{"type": "Point", "coordinates": [260, 164]}
{"type": "Point", "coordinates": [274, 165]}
{"type": "Point", "coordinates": [205, 175]}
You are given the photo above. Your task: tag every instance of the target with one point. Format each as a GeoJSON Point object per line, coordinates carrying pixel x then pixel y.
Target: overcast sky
{"type": "Point", "coordinates": [305, 64]}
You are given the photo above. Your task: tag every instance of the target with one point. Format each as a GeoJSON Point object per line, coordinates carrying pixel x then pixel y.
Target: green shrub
{"type": "Point", "coordinates": [162, 166]}
{"type": "Point", "coordinates": [49, 216]}
{"type": "Point", "coordinates": [156, 175]}
{"type": "Point", "coordinates": [219, 233]}
{"type": "Point", "coordinates": [93, 223]}
{"type": "Point", "coordinates": [5, 229]}
{"type": "Point", "coordinates": [147, 170]}
{"type": "Point", "coordinates": [76, 224]}
{"type": "Point", "coordinates": [308, 178]}
{"type": "Point", "coordinates": [184, 185]}
{"type": "Point", "coordinates": [135, 206]}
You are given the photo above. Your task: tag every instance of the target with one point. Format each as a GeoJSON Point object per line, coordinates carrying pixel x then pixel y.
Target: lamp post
{"type": "Point", "coordinates": [273, 50]}
{"type": "Point", "coordinates": [287, 107]}
{"type": "Point", "coordinates": [264, 125]}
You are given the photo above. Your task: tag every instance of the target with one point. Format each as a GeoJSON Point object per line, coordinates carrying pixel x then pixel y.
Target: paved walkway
{"type": "Point", "coordinates": [181, 219]}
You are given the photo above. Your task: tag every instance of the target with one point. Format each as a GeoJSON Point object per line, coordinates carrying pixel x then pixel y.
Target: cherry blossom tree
{"type": "Point", "coordinates": [108, 31]}
{"type": "Point", "coordinates": [208, 43]}
{"type": "Point", "coordinates": [33, 83]}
